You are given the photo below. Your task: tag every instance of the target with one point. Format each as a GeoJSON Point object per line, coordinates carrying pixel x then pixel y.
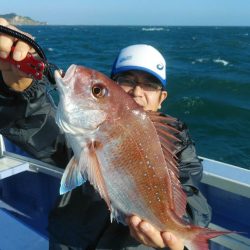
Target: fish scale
{"type": "Point", "coordinates": [128, 166]}
{"type": "Point", "coordinates": [128, 155]}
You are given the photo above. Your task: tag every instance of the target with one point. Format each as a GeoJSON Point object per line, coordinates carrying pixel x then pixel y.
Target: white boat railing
{"type": "Point", "coordinates": [218, 174]}
{"type": "Point", "coordinates": [11, 164]}
{"type": "Point", "coordinates": [226, 176]}
{"type": "Point", "coordinates": [231, 179]}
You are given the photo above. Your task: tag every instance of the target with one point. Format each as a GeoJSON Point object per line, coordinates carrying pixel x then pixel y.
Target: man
{"type": "Point", "coordinates": [81, 219]}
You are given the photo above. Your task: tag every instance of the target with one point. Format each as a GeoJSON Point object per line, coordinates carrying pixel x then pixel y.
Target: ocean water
{"type": "Point", "coordinates": [208, 75]}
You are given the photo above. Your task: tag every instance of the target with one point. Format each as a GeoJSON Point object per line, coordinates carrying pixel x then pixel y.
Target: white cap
{"type": "Point", "coordinates": [141, 57]}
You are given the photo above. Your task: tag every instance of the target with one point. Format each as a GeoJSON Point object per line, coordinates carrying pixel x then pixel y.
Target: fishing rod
{"type": "Point", "coordinates": [32, 66]}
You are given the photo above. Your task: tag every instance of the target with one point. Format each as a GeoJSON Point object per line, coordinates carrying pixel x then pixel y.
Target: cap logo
{"type": "Point", "coordinates": [160, 66]}
{"type": "Point", "coordinates": [125, 59]}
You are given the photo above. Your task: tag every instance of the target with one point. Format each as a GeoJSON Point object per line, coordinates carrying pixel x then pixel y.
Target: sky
{"type": "Point", "coordinates": [133, 12]}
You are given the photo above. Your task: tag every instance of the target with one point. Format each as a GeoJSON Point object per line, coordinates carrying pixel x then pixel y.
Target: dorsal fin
{"type": "Point", "coordinates": [167, 136]}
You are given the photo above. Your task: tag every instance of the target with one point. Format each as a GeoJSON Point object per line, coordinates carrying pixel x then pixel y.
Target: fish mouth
{"type": "Point", "coordinates": [68, 75]}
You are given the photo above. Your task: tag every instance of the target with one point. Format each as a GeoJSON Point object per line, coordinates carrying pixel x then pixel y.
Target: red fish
{"type": "Point", "coordinates": [127, 154]}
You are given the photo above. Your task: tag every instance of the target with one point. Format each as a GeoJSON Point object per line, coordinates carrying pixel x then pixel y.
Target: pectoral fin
{"type": "Point", "coordinates": [89, 168]}
{"type": "Point", "coordinates": [72, 177]}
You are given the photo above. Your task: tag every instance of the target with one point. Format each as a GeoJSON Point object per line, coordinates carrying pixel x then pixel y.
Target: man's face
{"type": "Point", "coordinates": [143, 87]}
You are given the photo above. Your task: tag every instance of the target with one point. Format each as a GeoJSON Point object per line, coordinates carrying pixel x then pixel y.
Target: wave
{"type": "Point", "coordinates": [204, 60]}
{"type": "Point", "coordinates": [221, 61]}
{"type": "Point", "coordinates": [153, 29]}
{"type": "Point", "coordinates": [200, 60]}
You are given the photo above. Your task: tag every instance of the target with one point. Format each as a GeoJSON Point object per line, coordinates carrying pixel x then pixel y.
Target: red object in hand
{"type": "Point", "coordinates": [29, 65]}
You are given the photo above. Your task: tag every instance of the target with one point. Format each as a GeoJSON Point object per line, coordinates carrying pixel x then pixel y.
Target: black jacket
{"type": "Point", "coordinates": [80, 218]}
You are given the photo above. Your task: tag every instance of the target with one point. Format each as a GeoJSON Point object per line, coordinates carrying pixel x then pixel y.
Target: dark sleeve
{"type": "Point", "coordinates": [191, 169]}
{"type": "Point", "coordinates": [27, 119]}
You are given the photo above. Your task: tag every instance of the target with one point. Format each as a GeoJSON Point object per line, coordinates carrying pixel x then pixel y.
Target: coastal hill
{"type": "Point", "coordinates": [14, 19]}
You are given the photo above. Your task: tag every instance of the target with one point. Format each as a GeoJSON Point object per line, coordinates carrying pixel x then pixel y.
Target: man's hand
{"type": "Point", "coordinates": [14, 78]}
{"type": "Point", "coordinates": [150, 236]}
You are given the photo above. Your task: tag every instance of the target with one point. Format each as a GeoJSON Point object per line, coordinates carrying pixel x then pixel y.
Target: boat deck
{"type": "Point", "coordinates": [17, 235]}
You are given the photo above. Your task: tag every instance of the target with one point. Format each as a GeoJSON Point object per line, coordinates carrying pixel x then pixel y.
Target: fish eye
{"type": "Point", "coordinates": [99, 91]}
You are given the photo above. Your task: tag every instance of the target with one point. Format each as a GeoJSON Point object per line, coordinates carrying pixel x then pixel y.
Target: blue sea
{"type": "Point", "coordinates": [208, 75]}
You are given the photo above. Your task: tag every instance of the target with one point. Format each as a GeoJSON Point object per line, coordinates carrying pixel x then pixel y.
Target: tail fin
{"type": "Point", "coordinates": [200, 238]}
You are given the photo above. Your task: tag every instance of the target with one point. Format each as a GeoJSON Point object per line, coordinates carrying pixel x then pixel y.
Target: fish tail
{"type": "Point", "coordinates": [199, 237]}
